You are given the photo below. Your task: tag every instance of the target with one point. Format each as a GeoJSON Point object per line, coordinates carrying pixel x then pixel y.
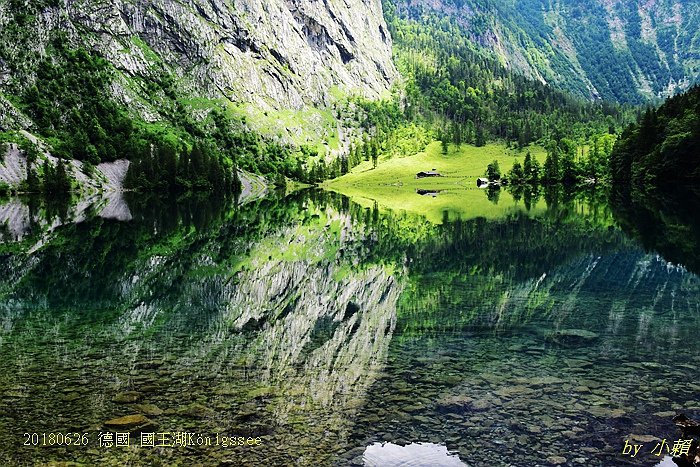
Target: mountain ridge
{"type": "Point", "coordinates": [625, 51]}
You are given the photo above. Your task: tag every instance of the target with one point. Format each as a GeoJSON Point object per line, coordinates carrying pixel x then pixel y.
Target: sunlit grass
{"type": "Point", "coordinates": [393, 183]}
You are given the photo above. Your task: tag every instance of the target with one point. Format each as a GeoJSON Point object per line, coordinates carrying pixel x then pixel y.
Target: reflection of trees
{"type": "Point", "coordinates": [531, 196]}
{"type": "Point", "coordinates": [277, 306]}
{"type": "Point", "coordinates": [492, 273]}
{"type": "Point", "coordinates": [493, 193]}
{"type": "Point", "coordinates": [33, 217]}
{"type": "Point", "coordinates": [663, 221]}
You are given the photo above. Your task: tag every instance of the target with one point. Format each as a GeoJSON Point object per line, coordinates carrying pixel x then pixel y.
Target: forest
{"type": "Point", "coordinates": [478, 98]}
{"type": "Point", "coordinates": [663, 147]}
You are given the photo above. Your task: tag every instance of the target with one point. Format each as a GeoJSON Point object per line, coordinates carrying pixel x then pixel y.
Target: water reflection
{"type": "Point", "coordinates": [263, 320]}
{"type": "Point", "coordinates": [342, 334]}
{"type": "Point", "coordinates": [411, 455]}
{"type": "Point", "coordinates": [666, 222]}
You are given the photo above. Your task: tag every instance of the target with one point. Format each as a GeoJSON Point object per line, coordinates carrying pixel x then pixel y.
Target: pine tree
{"type": "Point", "coordinates": [344, 167]}
{"type": "Point", "coordinates": [517, 173]}
{"type": "Point", "coordinates": [569, 169]}
{"type": "Point", "coordinates": [457, 134]}
{"type": "Point", "coordinates": [168, 157]}
{"type": "Point", "coordinates": [551, 164]}
{"type": "Point", "coordinates": [63, 184]}
{"type": "Point", "coordinates": [353, 158]}
{"type": "Point", "coordinates": [493, 171]}
{"type": "Point", "coordinates": [527, 167]}
{"type": "Point", "coordinates": [33, 185]}
{"type": "Point", "coordinates": [480, 139]}
{"type": "Point", "coordinates": [196, 163]}
{"type": "Point", "coordinates": [48, 186]}
{"type": "Point", "coordinates": [183, 169]}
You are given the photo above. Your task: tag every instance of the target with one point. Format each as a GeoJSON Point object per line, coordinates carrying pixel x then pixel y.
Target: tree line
{"type": "Point", "coordinates": [663, 146]}
{"type": "Point", "coordinates": [566, 163]}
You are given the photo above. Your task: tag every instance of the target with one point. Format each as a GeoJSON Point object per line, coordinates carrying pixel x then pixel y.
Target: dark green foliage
{"type": "Point", "coordinates": [531, 169]}
{"type": "Point", "coordinates": [567, 163]}
{"type": "Point", "coordinates": [597, 164]}
{"type": "Point", "coordinates": [516, 174]}
{"type": "Point", "coordinates": [551, 164]}
{"type": "Point", "coordinates": [56, 181]}
{"type": "Point", "coordinates": [164, 168]}
{"type": "Point", "coordinates": [33, 184]}
{"type": "Point", "coordinates": [569, 167]}
{"type": "Point", "coordinates": [445, 145]}
{"type": "Point", "coordinates": [68, 105]}
{"type": "Point", "coordinates": [380, 121]}
{"type": "Point", "coordinates": [663, 146]}
{"type": "Point", "coordinates": [493, 171]}
{"type": "Point", "coordinates": [666, 221]}
{"type": "Point", "coordinates": [480, 138]}
{"type": "Point", "coordinates": [344, 165]}
{"type": "Point", "coordinates": [280, 181]}
{"type": "Point", "coordinates": [374, 154]}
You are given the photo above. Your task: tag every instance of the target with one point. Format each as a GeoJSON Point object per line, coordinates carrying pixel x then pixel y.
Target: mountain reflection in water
{"type": "Point", "coordinates": [342, 335]}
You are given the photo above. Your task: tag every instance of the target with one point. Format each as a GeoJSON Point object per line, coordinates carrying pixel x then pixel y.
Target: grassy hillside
{"type": "Point", "coordinates": [393, 183]}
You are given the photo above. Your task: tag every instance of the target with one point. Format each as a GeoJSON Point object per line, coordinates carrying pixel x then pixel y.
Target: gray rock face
{"type": "Point", "coordinates": [107, 176]}
{"type": "Point", "coordinates": [10, 117]}
{"type": "Point", "coordinates": [272, 53]}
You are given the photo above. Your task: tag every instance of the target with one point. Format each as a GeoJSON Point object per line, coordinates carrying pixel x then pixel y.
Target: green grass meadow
{"type": "Point", "coordinates": [393, 184]}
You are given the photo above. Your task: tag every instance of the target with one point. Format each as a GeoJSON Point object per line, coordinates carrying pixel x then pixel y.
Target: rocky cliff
{"type": "Point", "coordinates": [279, 54]}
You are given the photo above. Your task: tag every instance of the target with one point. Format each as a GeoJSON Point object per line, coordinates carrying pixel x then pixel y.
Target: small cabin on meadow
{"type": "Point", "coordinates": [431, 173]}
{"type": "Point", "coordinates": [482, 182]}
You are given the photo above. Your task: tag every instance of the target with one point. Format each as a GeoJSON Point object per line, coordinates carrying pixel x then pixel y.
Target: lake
{"type": "Point", "coordinates": [315, 329]}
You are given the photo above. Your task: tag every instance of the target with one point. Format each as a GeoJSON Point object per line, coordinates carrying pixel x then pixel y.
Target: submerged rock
{"type": "Point", "coordinates": [572, 337]}
{"type": "Point", "coordinates": [195, 411]}
{"type": "Point", "coordinates": [599, 411]}
{"type": "Point", "coordinates": [643, 438]}
{"type": "Point", "coordinates": [127, 397]}
{"type": "Point", "coordinates": [128, 422]}
{"type": "Point", "coordinates": [149, 409]}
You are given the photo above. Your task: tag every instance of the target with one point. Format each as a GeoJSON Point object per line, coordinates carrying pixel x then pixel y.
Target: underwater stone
{"type": "Point", "coordinates": [127, 397]}
{"type": "Point", "coordinates": [149, 409]}
{"type": "Point", "coordinates": [128, 421]}
{"type": "Point", "coordinates": [572, 337]}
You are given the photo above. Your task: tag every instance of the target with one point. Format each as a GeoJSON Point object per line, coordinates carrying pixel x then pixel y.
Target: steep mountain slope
{"type": "Point", "coordinates": [623, 50]}
{"type": "Point", "coordinates": [282, 54]}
